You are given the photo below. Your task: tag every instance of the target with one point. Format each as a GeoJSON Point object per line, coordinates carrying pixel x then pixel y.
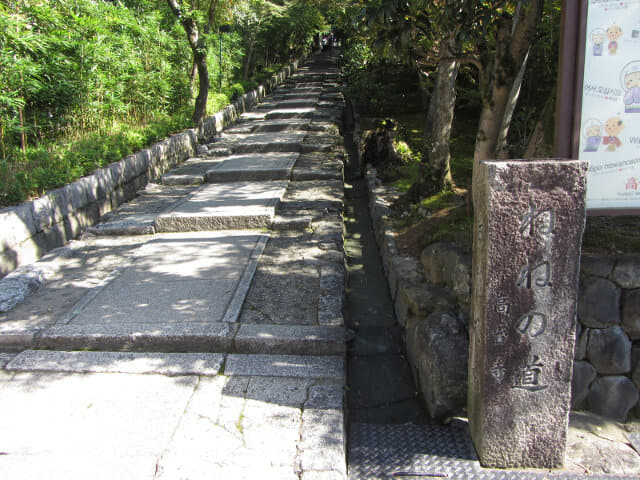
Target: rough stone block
{"type": "Point", "coordinates": [438, 348]}
{"type": "Point", "coordinates": [598, 302]}
{"type": "Point", "coordinates": [626, 273]}
{"type": "Point", "coordinates": [529, 221]}
{"type": "Point", "coordinates": [631, 313]}
{"type": "Point", "coordinates": [612, 397]}
{"type": "Point", "coordinates": [597, 265]}
{"type": "Point", "coordinates": [609, 350]}
{"type": "Point", "coordinates": [583, 374]}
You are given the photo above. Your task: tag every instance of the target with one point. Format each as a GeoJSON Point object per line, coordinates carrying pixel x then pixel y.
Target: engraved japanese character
{"type": "Point", "coordinates": [528, 378]}
{"type": "Point", "coordinates": [544, 219]}
{"type": "Point", "coordinates": [502, 306]}
{"type": "Point", "coordinates": [539, 275]}
{"type": "Point", "coordinates": [532, 324]}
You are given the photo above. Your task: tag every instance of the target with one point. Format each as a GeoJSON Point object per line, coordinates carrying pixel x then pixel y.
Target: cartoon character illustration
{"type": "Point", "coordinates": [613, 127]}
{"type": "Point", "coordinates": [630, 80]}
{"type": "Point", "coordinates": [597, 38]}
{"type": "Point", "coordinates": [593, 132]}
{"type": "Point", "coordinates": [614, 32]}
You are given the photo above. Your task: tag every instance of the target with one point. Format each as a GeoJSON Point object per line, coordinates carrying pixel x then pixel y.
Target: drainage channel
{"type": "Point", "coordinates": [381, 386]}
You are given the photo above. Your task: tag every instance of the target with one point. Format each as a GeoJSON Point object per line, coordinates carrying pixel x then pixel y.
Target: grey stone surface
{"type": "Point", "coordinates": [599, 302]}
{"type": "Point", "coordinates": [600, 446]}
{"type": "Point", "coordinates": [114, 417]}
{"type": "Point", "coordinates": [288, 113]}
{"type": "Point", "coordinates": [448, 264]}
{"type": "Point", "coordinates": [583, 374]}
{"type": "Point", "coordinates": [117, 362]}
{"type": "Point", "coordinates": [224, 206]}
{"type": "Point", "coordinates": [626, 273]}
{"type": "Point", "coordinates": [522, 328]}
{"type": "Point", "coordinates": [142, 224]}
{"type": "Point", "coordinates": [330, 367]}
{"type": "Point", "coordinates": [596, 265]}
{"type": "Point", "coordinates": [253, 167]}
{"type": "Point", "coordinates": [167, 337]}
{"type": "Point", "coordinates": [262, 142]}
{"type": "Point", "coordinates": [438, 347]}
{"type": "Point", "coordinates": [631, 313]}
{"type": "Point", "coordinates": [290, 340]}
{"type": "Point", "coordinates": [19, 284]}
{"type": "Point", "coordinates": [612, 397]}
{"type": "Point", "coordinates": [174, 278]}
{"type": "Point", "coordinates": [609, 350]}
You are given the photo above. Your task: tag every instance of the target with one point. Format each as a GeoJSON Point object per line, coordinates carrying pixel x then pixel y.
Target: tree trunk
{"type": "Point", "coordinates": [193, 75]}
{"type": "Point", "coordinates": [502, 147]}
{"type": "Point", "coordinates": [248, 61]}
{"type": "Point", "coordinates": [199, 59]}
{"type": "Point", "coordinates": [439, 121]}
{"type": "Point", "coordinates": [511, 47]}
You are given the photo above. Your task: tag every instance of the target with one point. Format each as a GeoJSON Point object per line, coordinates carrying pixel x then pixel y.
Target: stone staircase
{"type": "Point", "coordinates": [228, 277]}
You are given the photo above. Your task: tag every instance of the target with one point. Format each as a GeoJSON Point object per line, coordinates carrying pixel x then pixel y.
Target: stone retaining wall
{"type": "Point", "coordinates": [432, 299]}
{"type": "Point", "coordinates": [33, 228]}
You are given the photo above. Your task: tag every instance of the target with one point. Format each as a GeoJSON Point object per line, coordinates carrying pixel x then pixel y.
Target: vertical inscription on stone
{"type": "Point", "coordinates": [529, 222]}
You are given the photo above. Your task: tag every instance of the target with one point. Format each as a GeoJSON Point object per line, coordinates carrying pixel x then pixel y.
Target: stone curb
{"type": "Point", "coordinates": [36, 227]}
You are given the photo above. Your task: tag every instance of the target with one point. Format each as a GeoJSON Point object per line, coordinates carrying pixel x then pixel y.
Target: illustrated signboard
{"type": "Point", "coordinates": [610, 111]}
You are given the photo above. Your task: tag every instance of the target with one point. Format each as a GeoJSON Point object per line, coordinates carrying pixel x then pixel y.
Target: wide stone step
{"type": "Point", "coordinates": [269, 126]}
{"type": "Point", "coordinates": [179, 363]}
{"type": "Point", "coordinates": [289, 103]}
{"type": "Point", "coordinates": [219, 206]}
{"type": "Point", "coordinates": [289, 113]}
{"type": "Point", "coordinates": [261, 142]}
{"type": "Point", "coordinates": [201, 364]}
{"type": "Point", "coordinates": [218, 337]}
{"type": "Point", "coordinates": [253, 167]}
{"type": "Point", "coordinates": [191, 172]}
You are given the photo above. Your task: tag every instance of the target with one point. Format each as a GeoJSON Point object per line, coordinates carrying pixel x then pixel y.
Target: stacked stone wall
{"type": "Point", "coordinates": [31, 229]}
{"type": "Point", "coordinates": [432, 297]}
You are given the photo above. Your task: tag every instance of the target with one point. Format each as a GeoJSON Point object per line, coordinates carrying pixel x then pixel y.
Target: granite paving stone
{"type": "Point", "coordinates": [253, 167]}
{"type": "Point", "coordinates": [234, 205]}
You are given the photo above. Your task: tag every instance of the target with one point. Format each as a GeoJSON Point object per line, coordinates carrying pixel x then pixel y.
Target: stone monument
{"type": "Point", "coordinates": [529, 221]}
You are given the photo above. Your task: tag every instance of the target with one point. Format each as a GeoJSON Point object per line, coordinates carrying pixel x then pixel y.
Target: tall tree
{"type": "Point", "coordinates": [501, 71]}
{"type": "Point", "coordinates": [199, 51]}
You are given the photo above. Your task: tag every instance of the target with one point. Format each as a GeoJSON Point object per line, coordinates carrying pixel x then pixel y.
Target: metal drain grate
{"type": "Point", "coordinates": [418, 452]}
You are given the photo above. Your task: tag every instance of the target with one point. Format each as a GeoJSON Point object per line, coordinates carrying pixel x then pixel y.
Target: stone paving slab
{"type": "Point", "coordinates": [112, 415]}
{"type": "Point", "coordinates": [290, 340]}
{"type": "Point", "coordinates": [331, 367]}
{"type": "Point", "coordinates": [77, 269]}
{"type": "Point", "coordinates": [234, 205]}
{"type": "Point", "coordinates": [287, 141]}
{"type": "Point", "coordinates": [207, 364]}
{"type": "Point", "coordinates": [253, 167]}
{"type": "Point", "coordinates": [174, 278]}
{"type": "Point", "coordinates": [191, 172]}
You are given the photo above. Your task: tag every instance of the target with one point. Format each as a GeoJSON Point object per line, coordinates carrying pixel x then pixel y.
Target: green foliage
{"type": "Point", "coordinates": [84, 83]}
